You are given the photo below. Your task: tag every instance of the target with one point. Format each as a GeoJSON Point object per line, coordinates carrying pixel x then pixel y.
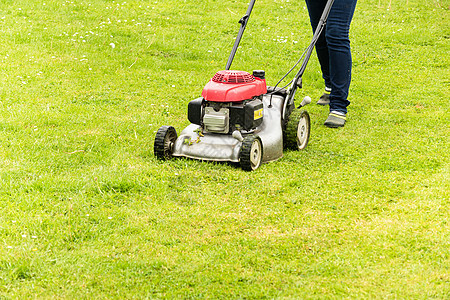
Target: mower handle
{"type": "Point", "coordinates": [296, 82]}
{"type": "Point", "coordinates": [243, 21]}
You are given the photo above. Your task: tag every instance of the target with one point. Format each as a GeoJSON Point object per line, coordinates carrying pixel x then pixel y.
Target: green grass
{"type": "Point", "coordinates": [88, 212]}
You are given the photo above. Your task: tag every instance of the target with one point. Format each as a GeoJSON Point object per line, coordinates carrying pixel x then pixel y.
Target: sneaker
{"type": "Point", "coordinates": [335, 119]}
{"type": "Point", "coordinates": [325, 98]}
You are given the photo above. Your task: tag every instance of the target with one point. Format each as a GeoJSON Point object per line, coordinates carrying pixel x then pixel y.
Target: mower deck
{"type": "Point", "coordinates": [192, 143]}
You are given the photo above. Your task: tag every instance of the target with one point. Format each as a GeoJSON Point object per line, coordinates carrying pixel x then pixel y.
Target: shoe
{"type": "Point", "coordinates": [324, 99]}
{"type": "Point", "coordinates": [335, 120]}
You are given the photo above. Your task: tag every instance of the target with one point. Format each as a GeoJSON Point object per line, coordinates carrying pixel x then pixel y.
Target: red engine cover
{"type": "Point", "coordinates": [233, 86]}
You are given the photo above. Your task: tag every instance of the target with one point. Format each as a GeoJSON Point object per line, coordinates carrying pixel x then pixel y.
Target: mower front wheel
{"type": "Point", "coordinates": [296, 135]}
{"type": "Point", "coordinates": [250, 155]}
{"type": "Point", "coordinates": [164, 140]}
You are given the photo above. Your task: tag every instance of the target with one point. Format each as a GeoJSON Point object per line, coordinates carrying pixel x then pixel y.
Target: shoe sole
{"type": "Point", "coordinates": [333, 125]}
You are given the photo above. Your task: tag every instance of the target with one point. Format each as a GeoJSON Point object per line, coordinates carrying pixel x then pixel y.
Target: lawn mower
{"type": "Point", "coordinates": [239, 119]}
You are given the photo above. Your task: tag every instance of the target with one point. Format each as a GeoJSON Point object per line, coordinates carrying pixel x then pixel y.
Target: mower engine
{"type": "Point", "coordinates": [231, 100]}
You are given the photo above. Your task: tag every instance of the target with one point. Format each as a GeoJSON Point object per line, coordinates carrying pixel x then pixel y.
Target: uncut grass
{"type": "Point", "coordinates": [89, 212]}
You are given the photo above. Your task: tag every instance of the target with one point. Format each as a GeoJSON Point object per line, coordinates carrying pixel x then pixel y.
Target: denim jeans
{"type": "Point", "coordinates": [333, 48]}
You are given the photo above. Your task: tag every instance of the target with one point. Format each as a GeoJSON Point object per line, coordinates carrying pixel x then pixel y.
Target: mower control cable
{"type": "Point", "coordinates": [275, 90]}
{"type": "Point", "coordinates": [317, 33]}
{"type": "Point", "coordinates": [297, 79]}
{"type": "Point", "coordinates": [294, 66]}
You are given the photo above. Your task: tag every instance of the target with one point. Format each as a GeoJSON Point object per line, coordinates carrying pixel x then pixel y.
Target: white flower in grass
{"type": "Point", "coordinates": [113, 45]}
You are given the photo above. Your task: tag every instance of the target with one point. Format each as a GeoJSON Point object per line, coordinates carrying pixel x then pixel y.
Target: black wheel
{"type": "Point", "coordinates": [250, 155]}
{"type": "Point", "coordinates": [164, 140]}
{"type": "Point", "coordinates": [296, 135]}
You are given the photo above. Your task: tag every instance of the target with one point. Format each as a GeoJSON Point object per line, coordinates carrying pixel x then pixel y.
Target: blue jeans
{"type": "Point", "coordinates": [333, 48]}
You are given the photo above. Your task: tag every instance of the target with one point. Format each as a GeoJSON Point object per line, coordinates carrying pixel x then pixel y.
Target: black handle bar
{"type": "Point", "coordinates": [243, 21]}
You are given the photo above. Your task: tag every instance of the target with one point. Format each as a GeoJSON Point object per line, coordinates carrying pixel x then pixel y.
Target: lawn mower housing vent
{"type": "Point", "coordinates": [235, 86]}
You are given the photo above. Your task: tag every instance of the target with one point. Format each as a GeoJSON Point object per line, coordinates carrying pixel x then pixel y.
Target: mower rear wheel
{"type": "Point", "coordinates": [164, 140]}
{"type": "Point", "coordinates": [296, 135]}
{"type": "Point", "coordinates": [250, 155]}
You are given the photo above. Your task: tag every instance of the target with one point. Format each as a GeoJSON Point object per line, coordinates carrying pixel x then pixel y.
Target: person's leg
{"type": "Point", "coordinates": [340, 59]}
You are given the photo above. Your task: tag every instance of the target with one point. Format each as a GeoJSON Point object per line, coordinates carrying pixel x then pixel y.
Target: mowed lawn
{"type": "Point", "coordinates": [88, 212]}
